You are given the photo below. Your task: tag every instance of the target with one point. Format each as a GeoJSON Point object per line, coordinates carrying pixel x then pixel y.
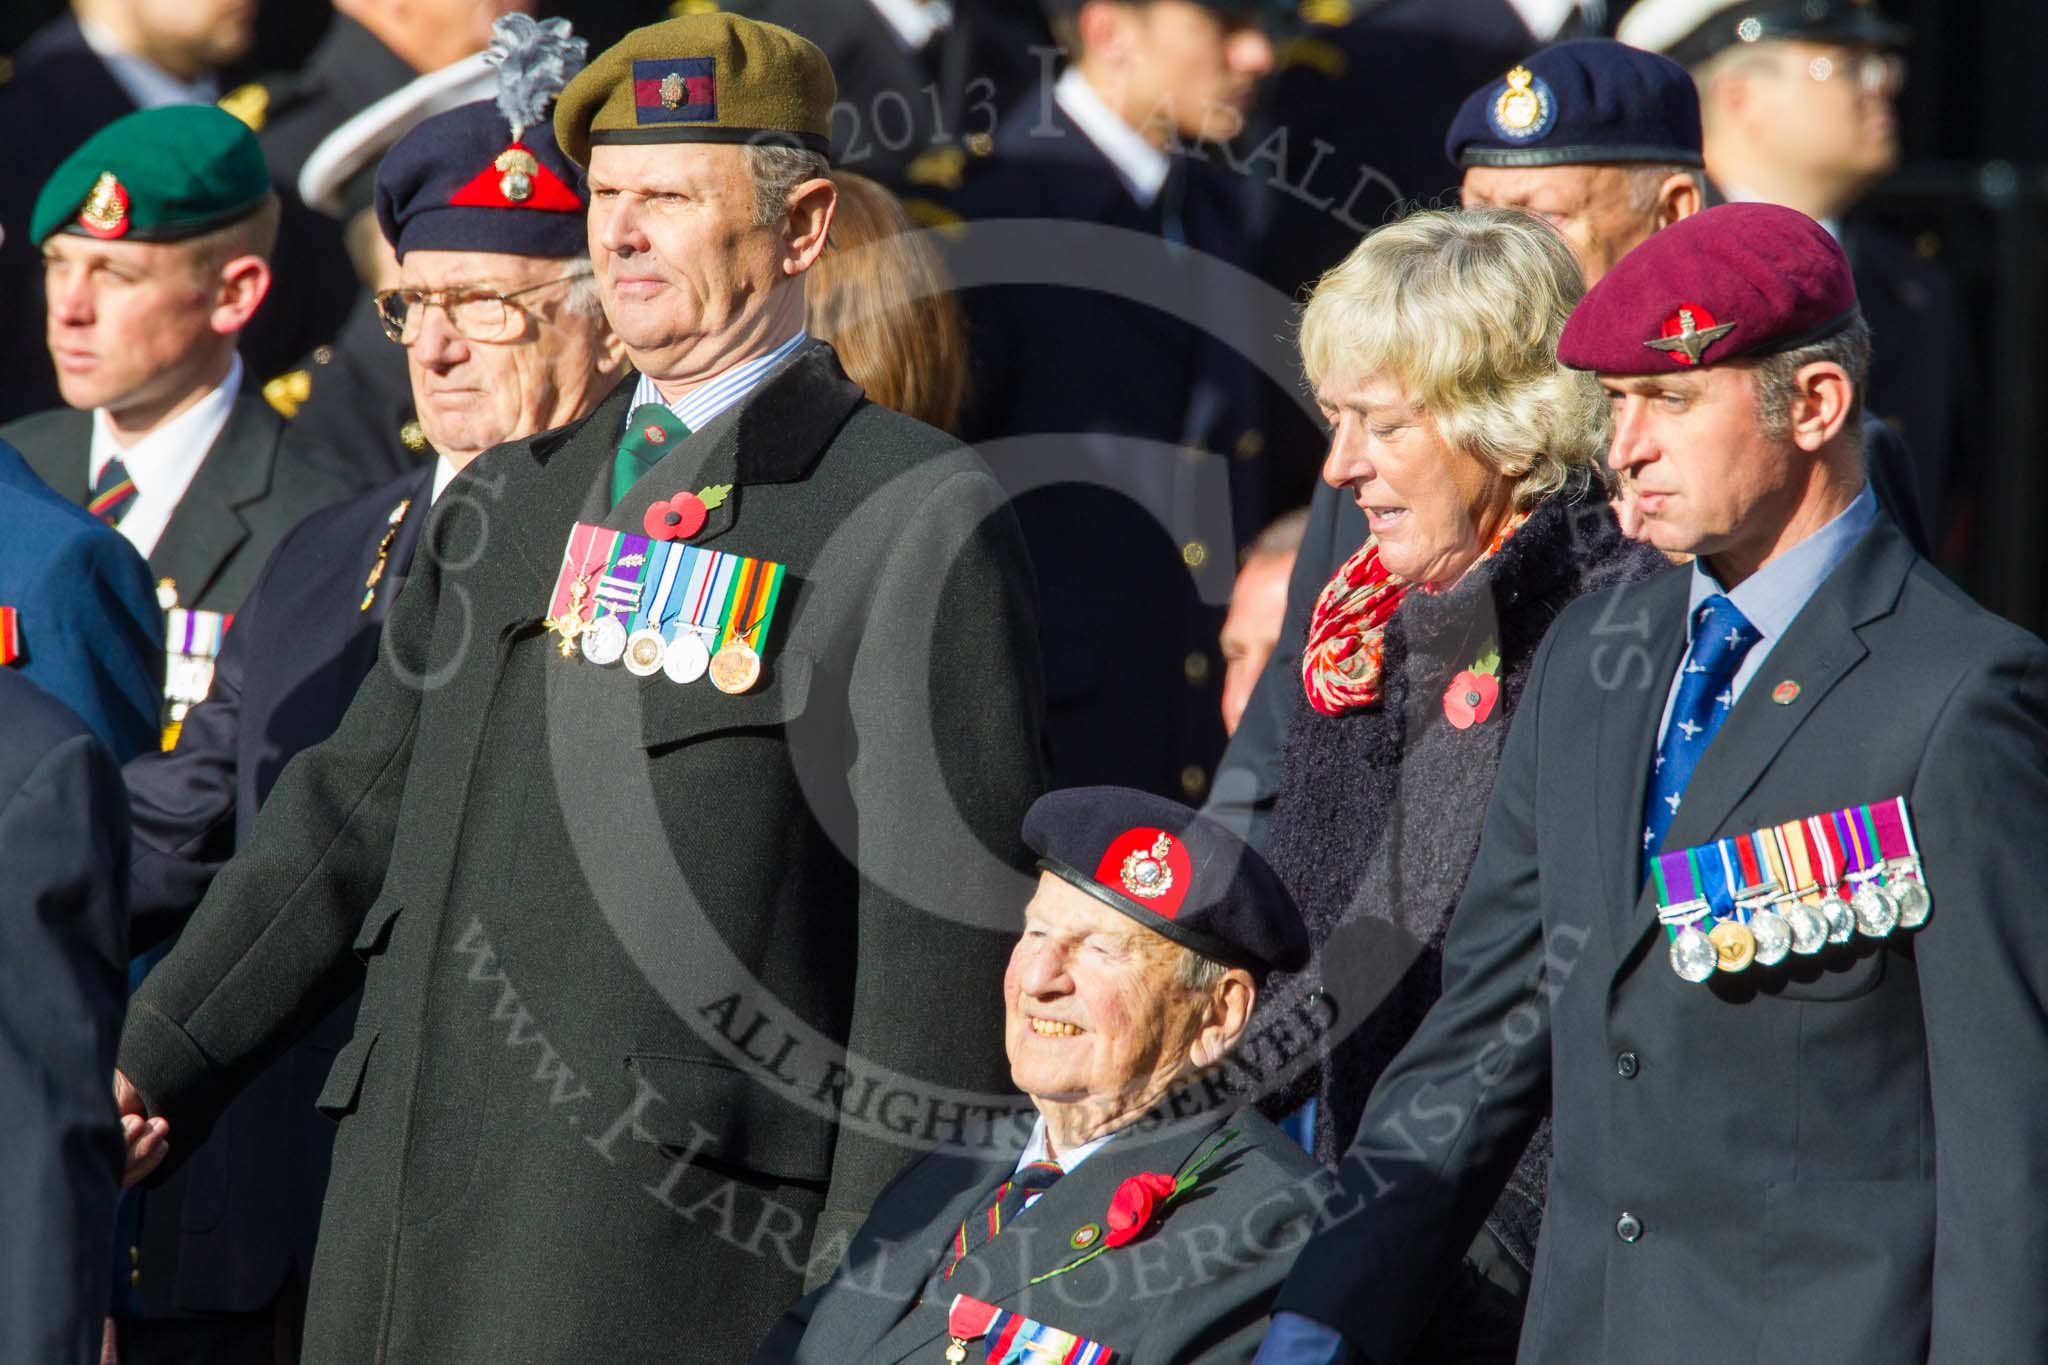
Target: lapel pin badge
{"type": "Point", "coordinates": [1785, 693]}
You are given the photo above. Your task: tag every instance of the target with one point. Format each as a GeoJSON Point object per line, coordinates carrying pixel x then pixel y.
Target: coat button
{"type": "Point", "coordinates": [1194, 781]}
{"type": "Point", "coordinates": [1628, 1228]}
{"type": "Point", "coordinates": [1196, 666]}
{"type": "Point", "coordinates": [1626, 1065]}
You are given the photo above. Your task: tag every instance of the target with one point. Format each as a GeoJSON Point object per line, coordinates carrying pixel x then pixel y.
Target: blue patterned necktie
{"type": "Point", "coordinates": [1721, 636]}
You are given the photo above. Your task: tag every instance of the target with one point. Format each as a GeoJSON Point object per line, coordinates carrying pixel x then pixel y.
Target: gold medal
{"type": "Point", "coordinates": [735, 668]}
{"type": "Point", "coordinates": [1734, 945]}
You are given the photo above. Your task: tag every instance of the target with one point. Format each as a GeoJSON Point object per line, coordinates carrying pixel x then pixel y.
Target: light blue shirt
{"type": "Point", "coordinates": [1772, 597]}
{"type": "Point", "coordinates": [696, 408]}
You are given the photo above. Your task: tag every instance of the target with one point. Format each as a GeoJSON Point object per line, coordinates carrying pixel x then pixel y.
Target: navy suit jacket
{"type": "Point", "coordinates": [91, 632]}
{"type": "Point", "coordinates": [240, 1211]}
{"type": "Point", "coordinates": [63, 987]}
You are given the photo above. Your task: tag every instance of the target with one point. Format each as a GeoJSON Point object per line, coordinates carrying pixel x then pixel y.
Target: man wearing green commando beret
{"type": "Point", "coordinates": [665, 975]}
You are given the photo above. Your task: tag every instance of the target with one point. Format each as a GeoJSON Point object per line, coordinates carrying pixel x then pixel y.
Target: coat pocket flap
{"type": "Point", "coordinates": [345, 1077]}
{"type": "Point", "coordinates": [716, 1110]}
{"type": "Point", "coordinates": [376, 930]}
{"type": "Point", "coordinates": [672, 713]}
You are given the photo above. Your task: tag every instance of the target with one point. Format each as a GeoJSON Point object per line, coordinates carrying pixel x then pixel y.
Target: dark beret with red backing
{"type": "Point", "coordinates": [1735, 280]}
{"type": "Point", "coordinates": [1177, 872]}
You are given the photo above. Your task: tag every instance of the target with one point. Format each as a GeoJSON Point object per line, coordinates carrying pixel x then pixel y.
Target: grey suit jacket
{"type": "Point", "coordinates": [1835, 1159]}
{"type": "Point", "coordinates": [1197, 1286]}
{"type": "Point", "coordinates": [258, 481]}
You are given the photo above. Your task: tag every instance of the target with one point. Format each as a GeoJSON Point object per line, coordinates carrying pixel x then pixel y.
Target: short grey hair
{"type": "Point", "coordinates": [1194, 972]}
{"type": "Point", "coordinates": [1644, 183]}
{"type": "Point", "coordinates": [776, 172]}
{"type": "Point", "coordinates": [582, 298]}
{"type": "Point", "coordinates": [1777, 377]}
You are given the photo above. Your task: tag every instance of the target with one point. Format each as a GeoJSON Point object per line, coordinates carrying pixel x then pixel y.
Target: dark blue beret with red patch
{"type": "Point", "coordinates": [490, 176]}
{"type": "Point", "coordinates": [1735, 280]}
{"type": "Point", "coordinates": [1588, 101]}
{"type": "Point", "coordinates": [1175, 871]}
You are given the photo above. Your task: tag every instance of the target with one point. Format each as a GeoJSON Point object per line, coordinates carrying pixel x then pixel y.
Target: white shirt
{"type": "Point", "coordinates": [696, 408]}
{"type": "Point", "coordinates": [915, 22]}
{"type": "Point", "coordinates": [162, 463]}
{"type": "Point", "coordinates": [149, 85]}
{"type": "Point", "coordinates": [1141, 166]}
{"type": "Point", "coordinates": [1068, 1161]}
{"type": "Point", "coordinates": [1543, 18]}
{"type": "Point", "coordinates": [444, 474]}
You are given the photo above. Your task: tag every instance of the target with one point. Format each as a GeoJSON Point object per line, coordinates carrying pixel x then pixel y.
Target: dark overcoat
{"type": "Point", "coordinates": [651, 969]}
{"type": "Point", "coordinates": [237, 1217]}
{"type": "Point", "coordinates": [1196, 1286]}
{"type": "Point", "coordinates": [63, 949]}
{"type": "Point", "coordinates": [257, 481]}
{"type": "Point", "coordinates": [1837, 1159]}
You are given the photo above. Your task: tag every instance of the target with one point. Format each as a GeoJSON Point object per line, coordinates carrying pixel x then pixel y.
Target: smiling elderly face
{"type": "Point", "coordinates": [1096, 1020]}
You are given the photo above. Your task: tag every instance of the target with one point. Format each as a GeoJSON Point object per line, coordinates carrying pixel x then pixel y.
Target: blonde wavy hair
{"type": "Point", "coordinates": [1465, 309]}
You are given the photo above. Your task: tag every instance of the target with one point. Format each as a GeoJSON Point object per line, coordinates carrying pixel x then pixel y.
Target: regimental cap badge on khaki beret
{"type": "Point", "coordinates": [701, 78]}
{"type": "Point", "coordinates": [158, 175]}
{"type": "Point", "coordinates": [1735, 280]}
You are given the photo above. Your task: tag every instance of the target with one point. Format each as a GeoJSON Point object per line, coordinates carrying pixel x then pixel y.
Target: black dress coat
{"type": "Point", "coordinates": [259, 480]}
{"type": "Point", "coordinates": [63, 982]}
{"type": "Point", "coordinates": [1106, 400]}
{"type": "Point", "coordinates": [617, 931]}
{"type": "Point", "coordinates": [1379, 810]}
{"type": "Point", "coordinates": [237, 1216]}
{"type": "Point", "coordinates": [1196, 1287]}
{"type": "Point", "coordinates": [1834, 1160]}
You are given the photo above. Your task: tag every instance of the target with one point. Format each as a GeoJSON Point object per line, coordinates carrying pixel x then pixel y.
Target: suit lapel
{"type": "Point", "coordinates": [1627, 737]}
{"type": "Point", "coordinates": [1817, 651]}
{"type": "Point", "coordinates": [207, 527]}
{"type": "Point", "coordinates": [1040, 1241]}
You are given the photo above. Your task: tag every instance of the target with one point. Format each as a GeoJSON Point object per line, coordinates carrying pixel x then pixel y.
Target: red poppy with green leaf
{"type": "Point", "coordinates": [1143, 1200]}
{"type": "Point", "coordinates": [1472, 695]}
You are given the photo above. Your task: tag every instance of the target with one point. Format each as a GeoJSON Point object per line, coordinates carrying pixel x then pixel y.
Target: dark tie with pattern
{"type": "Point", "coordinates": [651, 432]}
{"type": "Point", "coordinates": [1721, 636]}
{"type": "Point", "coordinates": [113, 493]}
{"type": "Point", "coordinates": [1000, 1209]}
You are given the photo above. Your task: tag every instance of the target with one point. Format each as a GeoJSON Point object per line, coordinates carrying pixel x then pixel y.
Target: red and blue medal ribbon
{"type": "Point", "coordinates": [1012, 1339]}
{"type": "Point", "coordinates": [706, 593]}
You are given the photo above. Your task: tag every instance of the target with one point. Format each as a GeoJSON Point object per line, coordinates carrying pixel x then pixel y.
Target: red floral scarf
{"type": "Point", "coordinates": [1340, 667]}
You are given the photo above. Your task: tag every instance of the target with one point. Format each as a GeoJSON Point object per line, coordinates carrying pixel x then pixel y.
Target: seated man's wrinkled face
{"type": "Point", "coordinates": [1093, 1014]}
{"type": "Point", "coordinates": [484, 372]}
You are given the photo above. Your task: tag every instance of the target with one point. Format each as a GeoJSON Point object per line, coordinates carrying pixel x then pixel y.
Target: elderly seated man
{"type": "Point", "coordinates": [1140, 1217]}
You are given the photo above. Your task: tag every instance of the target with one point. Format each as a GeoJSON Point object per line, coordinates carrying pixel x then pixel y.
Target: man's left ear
{"type": "Point", "coordinates": [611, 353]}
{"type": "Point", "coordinates": [1230, 1011]}
{"type": "Point", "coordinates": [240, 288]}
{"type": "Point", "coordinates": [811, 209]}
{"type": "Point", "coordinates": [1821, 406]}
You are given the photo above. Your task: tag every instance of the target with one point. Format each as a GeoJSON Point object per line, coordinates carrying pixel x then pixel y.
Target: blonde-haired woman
{"type": "Point", "coordinates": [1474, 457]}
{"type": "Point", "coordinates": [881, 296]}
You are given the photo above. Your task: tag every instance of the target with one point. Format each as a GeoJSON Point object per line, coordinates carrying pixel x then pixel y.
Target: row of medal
{"type": "Point", "coordinates": [661, 606]}
{"type": "Point", "coordinates": [192, 641]}
{"type": "Point", "coordinates": [1791, 889]}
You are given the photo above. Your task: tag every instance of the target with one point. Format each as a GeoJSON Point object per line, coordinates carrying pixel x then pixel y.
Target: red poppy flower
{"type": "Point", "coordinates": [1130, 1210]}
{"type": "Point", "coordinates": [676, 518]}
{"type": "Point", "coordinates": [1470, 698]}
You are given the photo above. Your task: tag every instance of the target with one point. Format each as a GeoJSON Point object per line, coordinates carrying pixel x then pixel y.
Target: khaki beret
{"type": "Point", "coordinates": [701, 78]}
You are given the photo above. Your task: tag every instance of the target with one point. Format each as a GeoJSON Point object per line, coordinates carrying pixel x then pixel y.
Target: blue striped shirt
{"type": "Point", "coordinates": [696, 408]}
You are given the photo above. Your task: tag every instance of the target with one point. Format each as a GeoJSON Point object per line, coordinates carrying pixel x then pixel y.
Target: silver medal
{"type": "Point", "coordinates": [1693, 955]}
{"type": "Point", "coordinates": [644, 650]}
{"type": "Point", "coordinates": [1840, 917]}
{"type": "Point", "coordinates": [686, 658]}
{"type": "Point", "coordinates": [604, 643]}
{"type": "Point", "coordinates": [1809, 930]}
{"type": "Point", "coordinates": [1773, 936]}
{"type": "Point", "coordinates": [1913, 901]}
{"type": "Point", "coordinates": [1877, 914]}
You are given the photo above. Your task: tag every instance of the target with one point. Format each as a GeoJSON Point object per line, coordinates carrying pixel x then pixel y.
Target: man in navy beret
{"type": "Point", "coordinates": [1776, 978]}
{"type": "Point", "coordinates": [1141, 958]}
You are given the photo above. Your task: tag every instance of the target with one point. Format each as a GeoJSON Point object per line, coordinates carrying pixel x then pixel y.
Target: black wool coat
{"type": "Point", "coordinates": [649, 971]}
{"type": "Point", "coordinates": [1379, 811]}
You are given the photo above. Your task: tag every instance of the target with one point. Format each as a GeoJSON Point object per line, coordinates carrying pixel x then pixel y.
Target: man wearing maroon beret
{"type": "Point", "coordinates": [1755, 914]}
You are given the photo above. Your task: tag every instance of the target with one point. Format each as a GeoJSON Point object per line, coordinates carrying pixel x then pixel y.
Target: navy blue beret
{"type": "Point", "coordinates": [1591, 100]}
{"type": "Point", "coordinates": [461, 182]}
{"type": "Point", "coordinates": [1178, 873]}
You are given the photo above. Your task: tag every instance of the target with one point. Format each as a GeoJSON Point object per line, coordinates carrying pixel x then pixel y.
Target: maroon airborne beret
{"type": "Point", "coordinates": [1734, 280]}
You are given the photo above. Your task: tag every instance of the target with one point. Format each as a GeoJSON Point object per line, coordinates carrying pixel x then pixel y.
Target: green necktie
{"type": "Point", "coordinates": [651, 432]}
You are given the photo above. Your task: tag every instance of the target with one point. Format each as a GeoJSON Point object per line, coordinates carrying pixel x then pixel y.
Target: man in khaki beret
{"type": "Point", "coordinates": [664, 974]}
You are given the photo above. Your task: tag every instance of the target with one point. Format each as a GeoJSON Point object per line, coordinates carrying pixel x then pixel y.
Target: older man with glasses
{"type": "Point", "coordinates": [509, 342]}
